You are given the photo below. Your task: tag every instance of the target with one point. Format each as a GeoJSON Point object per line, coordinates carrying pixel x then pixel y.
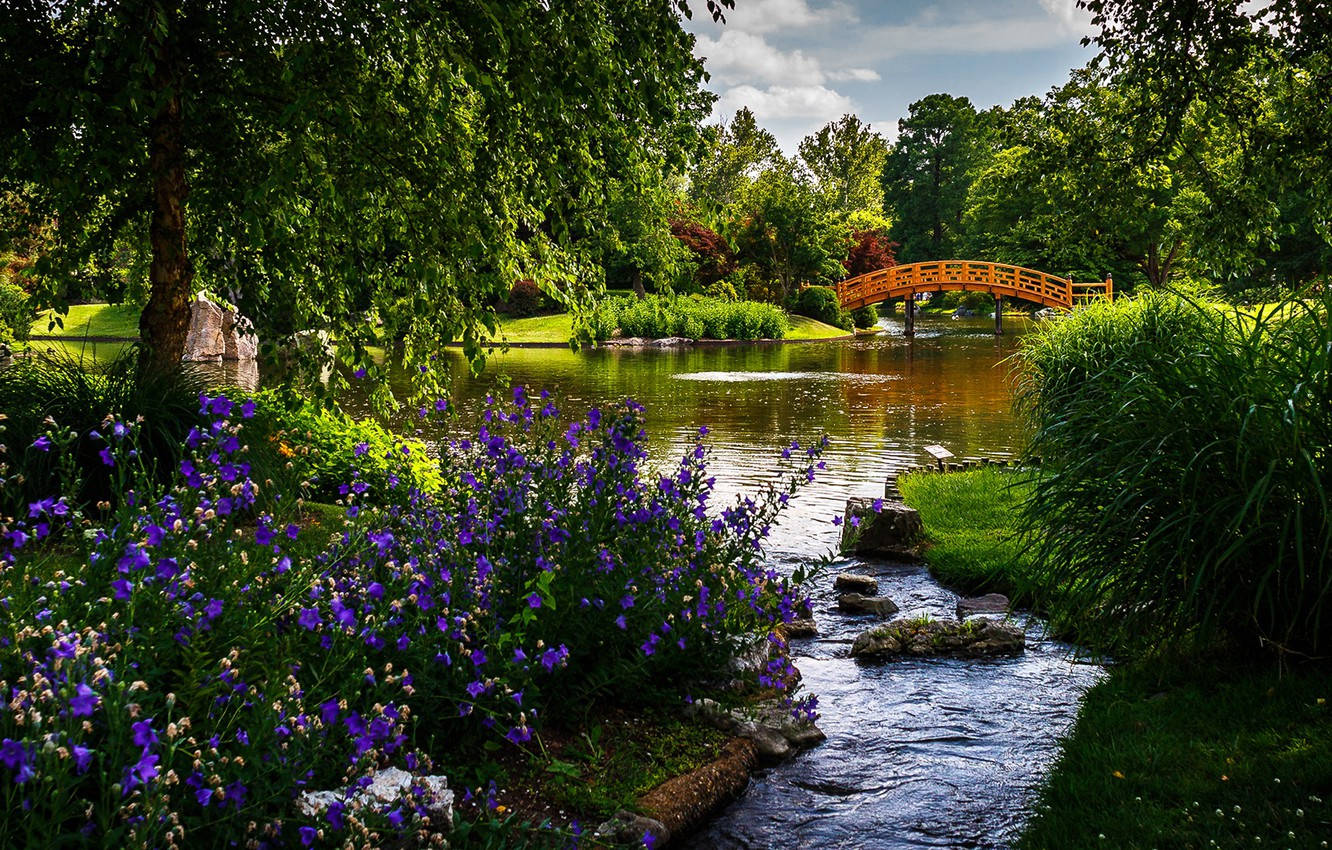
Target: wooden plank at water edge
{"type": "Point", "coordinates": [939, 453]}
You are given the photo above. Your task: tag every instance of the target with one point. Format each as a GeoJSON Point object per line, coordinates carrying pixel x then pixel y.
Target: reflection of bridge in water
{"type": "Point", "coordinates": [998, 279]}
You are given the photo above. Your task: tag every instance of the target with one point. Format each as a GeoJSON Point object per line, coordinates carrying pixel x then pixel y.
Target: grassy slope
{"type": "Point", "coordinates": [1159, 747]}
{"type": "Point", "coordinates": [121, 320]}
{"type": "Point", "coordinates": [806, 328]}
{"type": "Point", "coordinates": [559, 328]}
{"type": "Point", "coordinates": [104, 320]}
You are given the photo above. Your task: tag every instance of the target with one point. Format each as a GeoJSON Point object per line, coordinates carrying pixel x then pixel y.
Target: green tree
{"type": "Point", "coordinates": [940, 146]}
{"type": "Point", "coordinates": [732, 157]}
{"type": "Point", "coordinates": [784, 234]}
{"type": "Point", "coordinates": [335, 157]}
{"type": "Point", "coordinates": [846, 159]}
{"type": "Point", "coordinates": [640, 246]}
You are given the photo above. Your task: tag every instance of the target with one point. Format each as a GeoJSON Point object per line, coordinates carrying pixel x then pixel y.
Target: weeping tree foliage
{"type": "Point", "coordinates": [1186, 469]}
{"type": "Point", "coordinates": [319, 161]}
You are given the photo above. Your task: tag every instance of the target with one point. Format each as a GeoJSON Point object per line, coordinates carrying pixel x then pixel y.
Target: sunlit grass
{"type": "Point", "coordinates": [95, 320]}
{"type": "Point", "coordinates": [559, 328]}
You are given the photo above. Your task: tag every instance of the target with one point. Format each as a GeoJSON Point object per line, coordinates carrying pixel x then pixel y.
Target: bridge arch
{"type": "Point", "coordinates": [999, 279]}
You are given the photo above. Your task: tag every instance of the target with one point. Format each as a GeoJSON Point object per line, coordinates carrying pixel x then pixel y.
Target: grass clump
{"type": "Point", "coordinates": [1185, 475]}
{"type": "Point", "coordinates": [695, 317]}
{"type": "Point", "coordinates": [968, 517]}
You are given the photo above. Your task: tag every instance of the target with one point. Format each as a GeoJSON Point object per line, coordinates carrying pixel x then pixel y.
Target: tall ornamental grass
{"type": "Point", "coordinates": [176, 674]}
{"type": "Point", "coordinates": [696, 317]}
{"type": "Point", "coordinates": [1184, 483]}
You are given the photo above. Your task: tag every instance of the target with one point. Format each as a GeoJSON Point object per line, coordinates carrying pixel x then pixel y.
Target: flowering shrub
{"type": "Point", "coordinates": [178, 675]}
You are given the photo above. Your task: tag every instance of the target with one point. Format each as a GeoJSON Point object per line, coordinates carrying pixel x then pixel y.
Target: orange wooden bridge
{"type": "Point", "coordinates": [998, 279]}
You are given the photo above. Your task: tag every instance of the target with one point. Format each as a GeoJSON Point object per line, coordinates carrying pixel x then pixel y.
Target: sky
{"type": "Point", "coordinates": [799, 64]}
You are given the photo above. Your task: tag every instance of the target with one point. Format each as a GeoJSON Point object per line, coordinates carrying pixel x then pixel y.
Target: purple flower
{"type": "Point", "coordinates": [144, 736]}
{"type": "Point", "coordinates": [84, 701]}
{"type": "Point", "coordinates": [360, 448]}
{"type": "Point", "coordinates": [204, 796]}
{"type": "Point", "coordinates": [82, 758]}
{"type": "Point", "coordinates": [42, 443]}
{"type": "Point", "coordinates": [107, 457]}
{"type": "Point", "coordinates": [308, 835]}
{"type": "Point", "coordinates": [309, 618]}
{"type": "Point", "coordinates": [143, 771]}
{"type": "Point", "coordinates": [247, 408]}
{"type": "Point", "coordinates": [122, 589]}
{"type": "Point", "coordinates": [534, 600]}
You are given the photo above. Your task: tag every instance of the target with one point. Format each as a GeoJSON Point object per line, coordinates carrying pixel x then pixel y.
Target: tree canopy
{"type": "Point", "coordinates": [317, 162]}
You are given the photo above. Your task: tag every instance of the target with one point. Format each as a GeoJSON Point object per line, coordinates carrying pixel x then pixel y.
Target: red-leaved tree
{"type": "Point", "coordinates": [712, 256]}
{"type": "Point", "coordinates": [871, 250]}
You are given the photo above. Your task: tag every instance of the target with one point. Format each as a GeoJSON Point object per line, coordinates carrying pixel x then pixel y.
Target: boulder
{"type": "Point", "coordinates": [628, 829]}
{"type": "Point", "coordinates": [892, 531]}
{"type": "Point", "coordinates": [990, 603]}
{"type": "Point", "coordinates": [204, 342]}
{"type": "Point", "coordinates": [389, 787]}
{"type": "Point", "coordinates": [856, 583]}
{"type": "Point", "coordinates": [217, 334]}
{"type": "Point", "coordinates": [237, 341]}
{"type": "Point", "coordinates": [671, 342]}
{"type": "Point", "coordinates": [805, 627]}
{"type": "Point", "coordinates": [976, 638]}
{"type": "Point", "coordinates": [762, 723]}
{"type": "Point", "coordinates": [854, 603]}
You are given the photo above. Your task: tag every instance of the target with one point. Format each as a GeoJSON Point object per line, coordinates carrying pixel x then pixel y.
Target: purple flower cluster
{"type": "Point", "coordinates": [208, 657]}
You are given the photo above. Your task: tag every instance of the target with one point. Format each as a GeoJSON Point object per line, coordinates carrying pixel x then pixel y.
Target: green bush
{"type": "Point", "coordinates": [304, 447]}
{"type": "Point", "coordinates": [865, 317]}
{"type": "Point", "coordinates": [79, 395]}
{"type": "Point", "coordinates": [1185, 471]}
{"type": "Point", "coordinates": [695, 317]}
{"type": "Point", "coordinates": [15, 313]}
{"type": "Point", "coordinates": [821, 303]}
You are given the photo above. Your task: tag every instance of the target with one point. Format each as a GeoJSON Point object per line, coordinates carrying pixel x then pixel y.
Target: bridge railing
{"type": "Point", "coordinates": [940, 275]}
{"type": "Point", "coordinates": [1089, 293]}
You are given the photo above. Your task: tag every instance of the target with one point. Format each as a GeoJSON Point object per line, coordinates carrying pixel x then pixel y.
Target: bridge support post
{"type": "Point", "coordinates": [998, 315]}
{"type": "Point", "coordinates": [909, 305]}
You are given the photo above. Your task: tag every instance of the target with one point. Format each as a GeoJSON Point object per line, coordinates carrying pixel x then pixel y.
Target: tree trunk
{"type": "Point", "coordinates": [165, 322]}
{"type": "Point", "coordinates": [637, 279]}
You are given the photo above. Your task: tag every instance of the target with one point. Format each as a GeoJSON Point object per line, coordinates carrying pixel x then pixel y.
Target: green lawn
{"type": "Point", "coordinates": [969, 523]}
{"type": "Point", "coordinates": [1186, 753]}
{"type": "Point", "coordinates": [557, 328]}
{"type": "Point", "coordinates": [98, 320]}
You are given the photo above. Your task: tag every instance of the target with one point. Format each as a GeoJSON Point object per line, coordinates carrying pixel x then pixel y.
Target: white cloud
{"type": "Point", "coordinates": [860, 75]}
{"type": "Point", "coordinates": [776, 103]}
{"type": "Point", "coordinates": [742, 57]}
{"type": "Point", "coordinates": [1074, 20]}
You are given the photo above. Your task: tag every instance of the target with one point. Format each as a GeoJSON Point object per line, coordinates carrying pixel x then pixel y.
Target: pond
{"type": "Point", "coordinates": [919, 753]}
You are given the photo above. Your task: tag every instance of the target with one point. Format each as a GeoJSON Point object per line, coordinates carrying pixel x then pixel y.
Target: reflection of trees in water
{"type": "Point", "coordinates": [879, 399]}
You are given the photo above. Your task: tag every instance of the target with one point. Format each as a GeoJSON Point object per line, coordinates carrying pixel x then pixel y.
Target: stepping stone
{"type": "Point", "coordinates": [856, 583]}
{"type": "Point", "coordinates": [976, 638]}
{"type": "Point", "coordinates": [990, 603]}
{"type": "Point", "coordinates": [855, 603]}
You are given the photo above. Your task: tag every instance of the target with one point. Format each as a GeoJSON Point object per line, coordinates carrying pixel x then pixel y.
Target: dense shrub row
{"type": "Point", "coordinates": [16, 313]}
{"type": "Point", "coordinates": [177, 674]}
{"type": "Point", "coordinates": [1186, 471]}
{"type": "Point", "coordinates": [694, 316]}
